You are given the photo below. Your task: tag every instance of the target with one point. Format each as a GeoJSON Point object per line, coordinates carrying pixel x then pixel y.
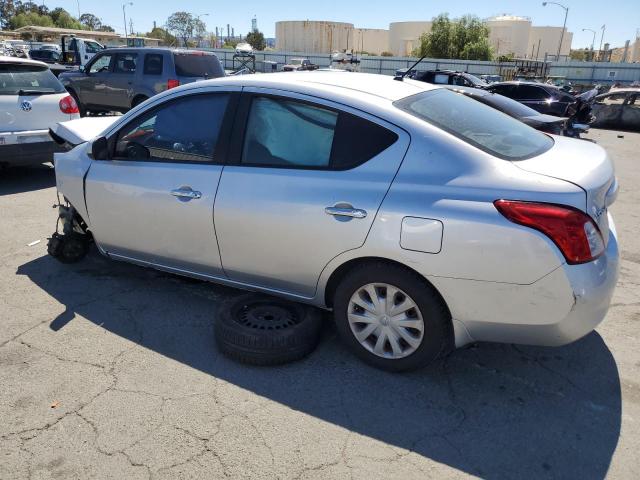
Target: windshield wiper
{"type": "Point", "coordinates": [24, 91]}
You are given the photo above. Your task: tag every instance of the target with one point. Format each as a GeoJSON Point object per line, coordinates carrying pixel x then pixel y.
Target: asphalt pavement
{"type": "Point", "coordinates": [110, 371]}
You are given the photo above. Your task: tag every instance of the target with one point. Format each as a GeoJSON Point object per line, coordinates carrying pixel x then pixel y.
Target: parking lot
{"type": "Point", "coordinates": [108, 370]}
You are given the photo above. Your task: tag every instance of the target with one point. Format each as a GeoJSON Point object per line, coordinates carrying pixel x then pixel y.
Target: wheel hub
{"type": "Point", "coordinates": [266, 316]}
{"type": "Point", "coordinates": [385, 320]}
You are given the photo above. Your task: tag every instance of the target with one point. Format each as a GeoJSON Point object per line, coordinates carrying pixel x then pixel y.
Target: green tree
{"type": "Point", "coordinates": [255, 38]}
{"type": "Point", "coordinates": [90, 21]}
{"type": "Point", "coordinates": [63, 19]}
{"type": "Point", "coordinates": [31, 18]}
{"type": "Point", "coordinates": [181, 24]}
{"type": "Point", "coordinates": [163, 35]}
{"type": "Point", "coordinates": [464, 38]}
{"type": "Point", "coordinates": [106, 28]}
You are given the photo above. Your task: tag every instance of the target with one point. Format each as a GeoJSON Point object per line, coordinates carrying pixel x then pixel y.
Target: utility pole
{"type": "Point", "coordinates": [124, 16]}
{"type": "Point", "coordinates": [603, 28]}
{"type": "Point", "coordinates": [593, 40]}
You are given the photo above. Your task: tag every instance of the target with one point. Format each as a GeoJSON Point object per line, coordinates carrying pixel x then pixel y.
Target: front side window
{"type": "Point", "coordinates": [293, 134]}
{"type": "Point", "coordinates": [125, 63]}
{"type": "Point", "coordinates": [477, 124]}
{"type": "Point", "coordinates": [613, 99]}
{"type": "Point", "coordinates": [182, 130]}
{"type": "Point", "coordinates": [92, 47]}
{"type": "Point", "coordinates": [101, 64]}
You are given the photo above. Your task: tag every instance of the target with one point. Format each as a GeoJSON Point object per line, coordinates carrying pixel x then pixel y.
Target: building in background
{"type": "Point", "coordinates": [509, 35]}
{"type": "Point", "coordinates": [53, 34]}
{"type": "Point", "coordinates": [404, 37]}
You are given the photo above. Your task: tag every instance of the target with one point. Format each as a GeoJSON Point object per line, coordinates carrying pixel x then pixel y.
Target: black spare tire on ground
{"type": "Point", "coordinates": [263, 330]}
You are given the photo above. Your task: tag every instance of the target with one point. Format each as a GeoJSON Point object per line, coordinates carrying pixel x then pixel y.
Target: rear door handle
{"type": "Point", "coordinates": [186, 193]}
{"type": "Point", "coordinates": [345, 212]}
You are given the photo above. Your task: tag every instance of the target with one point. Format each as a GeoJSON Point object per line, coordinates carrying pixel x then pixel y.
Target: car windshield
{"type": "Point", "coordinates": [507, 105]}
{"type": "Point", "coordinates": [27, 79]}
{"type": "Point", "coordinates": [197, 65]}
{"type": "Point", "coordinates": [479, 125]}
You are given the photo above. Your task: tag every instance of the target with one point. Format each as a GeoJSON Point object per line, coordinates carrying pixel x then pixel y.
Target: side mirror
{"type": "Point", "coordinates": [81, 68]}
{"type": "Point", "coordinates": [100, 149]}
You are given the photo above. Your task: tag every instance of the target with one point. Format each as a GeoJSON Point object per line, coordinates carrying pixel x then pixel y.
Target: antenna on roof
{"type": "Point", "coordinates": [401, 76]}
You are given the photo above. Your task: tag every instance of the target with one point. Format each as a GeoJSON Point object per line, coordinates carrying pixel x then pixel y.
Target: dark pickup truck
{"type": "Point", "coordinates": [297, 64]}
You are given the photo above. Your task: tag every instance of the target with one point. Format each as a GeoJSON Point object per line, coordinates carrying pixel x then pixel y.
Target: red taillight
{"type": "Point", "coordinates": [171, 83]}
{"type": "Point", "coordinates": [68, 105]}
{"type": "Point", "coordinates": [572, 230]}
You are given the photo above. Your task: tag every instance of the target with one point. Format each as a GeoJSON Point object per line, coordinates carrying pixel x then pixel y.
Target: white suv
{"type": "Point", "coordinates": [31, 101]}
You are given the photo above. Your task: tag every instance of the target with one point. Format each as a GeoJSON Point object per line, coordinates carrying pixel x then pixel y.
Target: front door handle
{"type": "Point", "coordinates": [186, 193]}
{"type": "Point", "coordinates": [345, 212]}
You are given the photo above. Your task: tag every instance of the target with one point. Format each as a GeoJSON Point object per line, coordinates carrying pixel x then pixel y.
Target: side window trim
{"type": "Point", "coordinates": [220, 153]}
{"type": "Point", "coordinates": [241, 121]}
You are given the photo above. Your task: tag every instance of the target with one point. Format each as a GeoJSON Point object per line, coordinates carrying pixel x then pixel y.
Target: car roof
{"type": "Point", "coordinates": [382, 86]}
{"type": "Point", "coordinates": [622, 90]}
{"type": "Point", "coordinates": [24, 61]}
{"type": "Point", "coordinates": [156, 50]}
{"type": "Point", "coordinates": [525, 82]}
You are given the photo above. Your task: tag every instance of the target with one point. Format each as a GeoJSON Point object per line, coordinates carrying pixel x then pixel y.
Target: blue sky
{"type": "Point", "coordinates": [621, 17]}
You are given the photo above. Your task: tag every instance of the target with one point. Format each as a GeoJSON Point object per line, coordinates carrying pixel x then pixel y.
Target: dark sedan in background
{"type": "Point", "coordinates": [541, 97]}
{"type": "Point", "coordinates": [539, 121]}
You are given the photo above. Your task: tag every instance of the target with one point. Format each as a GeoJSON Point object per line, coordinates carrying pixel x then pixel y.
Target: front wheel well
{"type": "Point", "coordinates": [340, 272]}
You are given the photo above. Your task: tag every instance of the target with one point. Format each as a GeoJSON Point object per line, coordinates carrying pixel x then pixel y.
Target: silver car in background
{"type": "Point", "coordinates": [424, 219]}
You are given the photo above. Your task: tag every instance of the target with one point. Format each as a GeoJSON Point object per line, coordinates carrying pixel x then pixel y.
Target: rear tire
{"type": "Point", "coordinates": [261, 330]}
{"type": "Point", "coordinates": [406, 326]}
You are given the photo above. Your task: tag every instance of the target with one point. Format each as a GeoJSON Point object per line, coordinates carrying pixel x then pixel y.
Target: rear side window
{"type": "Point", "coordinates": [289, 133]}
{"type": "Point", "coordinates": [125, 63]}
{"type": "Point", "coordinates": [477, 124]}
{"type": "Point", "coordinates": [529, 92]}
{"type": "Point", "coordinates": [197, 65]}
{"type": "Point", "coordinates": [25, 79]}
{"type": "Point", "coordinates": [153, 64]}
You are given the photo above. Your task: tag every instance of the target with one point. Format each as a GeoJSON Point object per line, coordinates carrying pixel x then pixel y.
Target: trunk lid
{"type": "Point", "coordinates": [584, 164]}
{"type": "Point", "coordinates": [30, 112]}
{"type": "Point", "coordinates": [81, 130]}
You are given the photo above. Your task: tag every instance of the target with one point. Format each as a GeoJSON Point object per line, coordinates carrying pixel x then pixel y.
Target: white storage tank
{"type": "Point", "coordinates": [545, 40]}
{"type": "Point", "coordinates": [509, 34]}
{"type": "Point", "coordinates": [374, 41]}
{"type": "Point", "coordinates": [404, 37]}
{"type": "Point", "coordinates": [310, 36]}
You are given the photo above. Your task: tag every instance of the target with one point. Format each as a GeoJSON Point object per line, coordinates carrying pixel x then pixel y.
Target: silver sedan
{"type": "Point", "coordinates": [425, 220]}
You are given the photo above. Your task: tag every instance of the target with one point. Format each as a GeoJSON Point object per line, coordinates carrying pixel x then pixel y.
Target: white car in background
{"type": "Point", "coordinates": [32, 100]}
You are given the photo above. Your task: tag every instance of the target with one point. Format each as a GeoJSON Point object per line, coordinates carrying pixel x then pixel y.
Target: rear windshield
{"type": "Point", "coordinates": [27, 80]}
{"type": "Point", "coordinates": [477, 124]}
{"type": "Point", "coordinates": [197, 65]}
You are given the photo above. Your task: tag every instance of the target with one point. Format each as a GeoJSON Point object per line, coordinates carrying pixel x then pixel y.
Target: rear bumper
{"type": "Point", "coordinates": [28, 153]}
{"type": "Point", "coordinates": [560, 308]}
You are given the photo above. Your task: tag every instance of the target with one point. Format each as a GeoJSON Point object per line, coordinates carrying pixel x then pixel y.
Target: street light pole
{"type": "Point", "coordinates": [593, 40]}
{"type": "Point", "coordinates": [124, 16]}
{"type": "Point", "coordinates": [564, 25]}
